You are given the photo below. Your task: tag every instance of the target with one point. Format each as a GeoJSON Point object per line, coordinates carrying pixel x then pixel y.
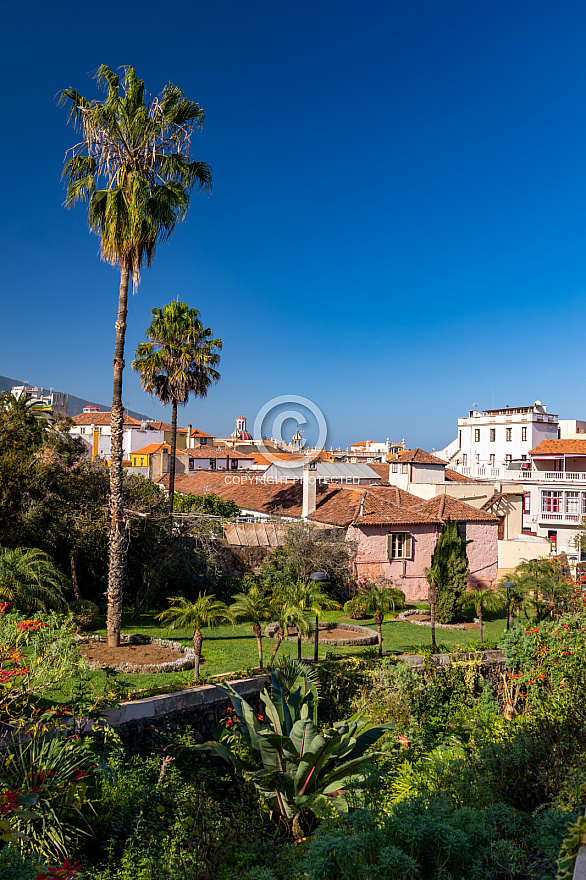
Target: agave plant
{"type": "Point", "coordinates": [295, 767]}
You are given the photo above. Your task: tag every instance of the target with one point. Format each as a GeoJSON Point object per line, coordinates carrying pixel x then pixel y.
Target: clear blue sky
{"type": "Point", "coordinates": [397, 226]}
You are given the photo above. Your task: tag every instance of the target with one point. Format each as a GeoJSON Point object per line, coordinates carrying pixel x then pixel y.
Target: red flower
{"type": "Point", "coordinates": [67, 871]}
{"type": "Point", "coordinates": [8, 801]}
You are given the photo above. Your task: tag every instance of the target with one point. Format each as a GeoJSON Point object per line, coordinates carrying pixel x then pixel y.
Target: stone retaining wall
{"type": "Point", "coordinates": [199, 708]}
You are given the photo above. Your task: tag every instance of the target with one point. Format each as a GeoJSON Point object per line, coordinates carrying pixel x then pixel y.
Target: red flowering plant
{"type": "Point", "coordinates": [548, 660]}
{"type": "Point", "coordinates": [67, 871]}
{"type": "Point", "coordinates": [36, 654]}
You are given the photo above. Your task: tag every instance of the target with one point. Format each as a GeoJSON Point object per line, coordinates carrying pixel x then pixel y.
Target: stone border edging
{"type": "Point", "coordinates": [370, 636]}
{"type": "Point", "coordinates": [403, 615]}
{"type": "Point", "coordinates": [187, 661]}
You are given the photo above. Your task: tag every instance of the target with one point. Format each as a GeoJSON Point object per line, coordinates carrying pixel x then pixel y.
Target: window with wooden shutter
{"type": "Point", "coordinates": [399, 545]}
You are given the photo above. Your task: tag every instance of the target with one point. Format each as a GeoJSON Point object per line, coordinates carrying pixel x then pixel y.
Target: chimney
{"type": "Point", "coordinates": [188, 446]}
{"type": "Point", "coordinates": [309, 488]}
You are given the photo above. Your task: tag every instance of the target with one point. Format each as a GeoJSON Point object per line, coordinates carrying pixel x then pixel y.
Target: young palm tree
{"type": "Point", "coordinates": [30, 581]}
{"type": "Point", "coordinates": [309, 597]}
{"type": "Point", "coordinates": [133, 166]}
{"type": "Point", "coordinates": [178, 360]}
{"type": "Point", "coordinates": [287, 614]}
{"type": "Point", "coordinates": [483, 600]}
{"type": "Point", "coordinates": [255, 606]}
{"type": "Point", "coordinates": [205, 611]}
{"type": "Point", "coordinates": [379, 600]}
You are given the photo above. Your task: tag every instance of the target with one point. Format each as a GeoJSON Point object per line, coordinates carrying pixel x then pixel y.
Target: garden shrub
{"type": "Point", "coordinates": [357, 607]}
{"type": "Point", "coordinates": [85, 613]}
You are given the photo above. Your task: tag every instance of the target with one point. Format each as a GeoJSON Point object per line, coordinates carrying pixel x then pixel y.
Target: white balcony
{"type": "Point", "coordinates": [549, 476]}
{"type": "Point", "coordinates": [559, 517]}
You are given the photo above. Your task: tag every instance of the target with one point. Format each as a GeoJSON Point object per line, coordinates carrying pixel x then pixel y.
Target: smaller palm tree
{"type": "Point", "coordinates": [30, 581]}
{"type": "Point", "coordinates": [256, 606]}
{"type": "Point", "coordinates": [380, 599]}
{"type": "Point", "coordinates": [288, 614]}
{"type": "Point", "coordinates": [483, 600]}
{"type": "Point", "coordinates": [309, 597]}
{"type": "Point", "coordinates": [205, 611]}
{"type": "Point", "coordinates": [178, 360]}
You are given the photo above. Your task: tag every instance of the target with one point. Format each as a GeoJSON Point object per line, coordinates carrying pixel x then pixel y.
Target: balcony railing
{"type": "Point", "coordinates": [550, 476]}
{"type": "Point", "coordinates": [559, 517]}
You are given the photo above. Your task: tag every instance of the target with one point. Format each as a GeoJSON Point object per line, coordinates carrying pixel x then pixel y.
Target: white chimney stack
{"type": "Point", "coordinates": [188, 437]}
{"type": "Point", "coordinates": [309, 488]}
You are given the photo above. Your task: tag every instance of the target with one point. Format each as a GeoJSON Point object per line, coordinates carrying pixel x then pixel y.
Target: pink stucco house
{"type": "Point", "coordinates": [395, 532]}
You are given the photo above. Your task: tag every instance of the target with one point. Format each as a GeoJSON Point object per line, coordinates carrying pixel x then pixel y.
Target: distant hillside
{"type": "Point", "coordinates": [76, 404]}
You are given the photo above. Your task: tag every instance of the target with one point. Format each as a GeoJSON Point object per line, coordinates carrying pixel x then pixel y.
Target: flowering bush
{"type": "Point", "coordinates": [548, 662]}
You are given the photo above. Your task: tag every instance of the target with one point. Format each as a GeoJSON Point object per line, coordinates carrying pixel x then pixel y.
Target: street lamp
{"type": "Point", "coordinates": [508, 587]}
{"type": "Point", "coordinates": [320, 577]}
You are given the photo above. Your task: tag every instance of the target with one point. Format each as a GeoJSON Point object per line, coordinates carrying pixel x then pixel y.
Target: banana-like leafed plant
{"type": "Point", "coordinates": [295, 767]}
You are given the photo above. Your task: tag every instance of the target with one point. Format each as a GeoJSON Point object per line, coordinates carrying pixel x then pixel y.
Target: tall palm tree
{"type": "Point", "coordinates": [483, 600]}
{"type": "Point", "coordinates": [30, 581]}
{"type": "Point", "coordinates": [256, 606]}
{"type": "Point", "coordinates": [133, 166]}
{"type": "Point", "coordinates": [205, 611]}
{"type": "Point", "coordinates": [178, 360]}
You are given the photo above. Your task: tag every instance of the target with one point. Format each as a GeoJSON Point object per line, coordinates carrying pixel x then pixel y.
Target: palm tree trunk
{"type": "Point", "coordinates": [299, 646]}
{"type": "Point", "coordinates": [256, 628]}
{"type": "Point", "coordinates": [197, 643]}
{"type": "Point", "coordinates": [74, 580]}
{"type": "Point", "coordinates": [378, 619]}
{"type": "Point", "coordinates": [481, 627]}
{"type": "Point", "coordinates": [173, 450]}
{"type": "Point", "coordinates": [278, 640]}
{"type": "Point", "coordinates": [434, 648]}
{"type": "Point", "coordinates": [117, 536]}
{"type": "Point", "coordinates": [316, 641]}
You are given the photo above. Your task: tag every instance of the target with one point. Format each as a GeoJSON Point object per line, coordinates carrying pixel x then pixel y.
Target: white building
{"type": "Point", "coordinates": [555, 493]}
{"type": "Point", "coordinates": [94, 429]}
{"type": "Point", "coordinates": [52, 403]}
{"type": "Point", "coordinates": [489, 442]}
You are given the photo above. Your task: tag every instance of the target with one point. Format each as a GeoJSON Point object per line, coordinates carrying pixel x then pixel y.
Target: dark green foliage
{"type": "Point", "coordinates": [210, 504]}
{"type": "Point", "coordinates": [341, 683]}
{"type": "Point", "coordinates": [427, 837]}
{"type": "Point", "coordinates": [54, 499]}
{"type": "Point", "coordinates": [448, 572]}
{"type": "Point", "coordinates": [161, 819]}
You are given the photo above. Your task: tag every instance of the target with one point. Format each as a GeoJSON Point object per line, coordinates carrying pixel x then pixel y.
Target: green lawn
{"type": "Point", "coordinates": [233, 648]}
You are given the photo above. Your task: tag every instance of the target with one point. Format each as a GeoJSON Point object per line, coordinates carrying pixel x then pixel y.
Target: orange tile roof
{"type": "Point", "coordinates": [445, 506]}
{"type": "Point", "coordinates": [103, 418]}
{"type": "Point", "coordinates": [161, 426]}
{"type": "Point", "coordinates": [152, 447]}
{"type": "Point", "coordinates": [336, 505]}
{"type": "Point", "coordinates": [195, 432]}
{"type": "Point", "coordinates": [560, 447]}
{"type": "Point", "coordinates": [419, 456]}
{"type": "Point", "coordinates": [455, 477]}
{"type": "Point", "coordinates": [381, 468]}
